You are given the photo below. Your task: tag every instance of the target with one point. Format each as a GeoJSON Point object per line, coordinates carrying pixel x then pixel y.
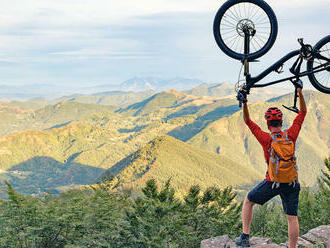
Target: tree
{"type": "Point", "coordinates": [159, 219]}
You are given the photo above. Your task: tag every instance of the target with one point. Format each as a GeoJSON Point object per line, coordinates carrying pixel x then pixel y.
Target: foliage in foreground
{"type": "Point", "coordinates": [156, 218]}
{"type": "Point", "coordinates": [102, 218]}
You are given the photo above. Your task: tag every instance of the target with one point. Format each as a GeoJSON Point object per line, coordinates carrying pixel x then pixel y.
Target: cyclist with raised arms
{"type": "Point", "coordinates": [281, 177]}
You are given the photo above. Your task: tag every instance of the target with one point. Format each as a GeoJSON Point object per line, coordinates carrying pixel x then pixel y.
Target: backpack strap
{"type": "Point", "coordinates": [273, 137]}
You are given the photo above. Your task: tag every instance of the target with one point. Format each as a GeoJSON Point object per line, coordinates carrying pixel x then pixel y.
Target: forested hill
{"type": "Point", "coordinates": [168, 158]}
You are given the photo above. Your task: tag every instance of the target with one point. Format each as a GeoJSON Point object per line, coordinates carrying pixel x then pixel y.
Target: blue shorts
{"type": "Point", "coordinates": [263, 192]}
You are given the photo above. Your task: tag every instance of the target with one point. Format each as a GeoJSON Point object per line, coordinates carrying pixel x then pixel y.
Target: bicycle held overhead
{"type": "Point", "coordinates": [247, 29]}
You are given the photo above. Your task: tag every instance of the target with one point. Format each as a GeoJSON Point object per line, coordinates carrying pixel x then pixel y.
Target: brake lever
{"type": "Point", "coordinates": [294, 109]}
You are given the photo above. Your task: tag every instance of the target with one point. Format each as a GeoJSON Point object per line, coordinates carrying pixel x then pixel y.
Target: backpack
{"type": "Point", "coordinates": [282, 163]}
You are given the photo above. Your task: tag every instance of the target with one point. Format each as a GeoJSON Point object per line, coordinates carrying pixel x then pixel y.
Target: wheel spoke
{"type": "Point", "coordinates": [228, 32]}
{"type": "Point", "coordinates": [237, 13]}
{"type": "Point", "coordinates": [229, 22]}
{"type": "Point", "coordinates": [236, 17]}
{"type": "Point", "coordinates": [232, 42]}
{"type": "Point", "coordinates": [255, 49]}
{"type": "Point", "coordinates": [239, 10]}
{"type": "Point", "coordinates": [258, 43]}
{"type": "Point", "coordinates": [226, 25]}
{"type": "Point", "coordinates": [255, 13]}
{"type": "Point", "coordinates": [263, 20]}
{"type": "Point", "coordinates": [227, 38]}
{"type": "Point", "coordinates": [231, 18]}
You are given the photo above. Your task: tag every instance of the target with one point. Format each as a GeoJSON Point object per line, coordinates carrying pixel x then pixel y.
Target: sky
{"type": "Point", "coordinates": [95, 42]}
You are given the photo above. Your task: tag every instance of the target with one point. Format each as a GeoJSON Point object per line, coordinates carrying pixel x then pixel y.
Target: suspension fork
{"type": "Point", "coordinates": [247, 35]}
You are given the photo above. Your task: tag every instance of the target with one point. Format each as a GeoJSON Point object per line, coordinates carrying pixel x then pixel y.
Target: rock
{"type": "Point", "coordinates": [318, 238]}
{"type": "Point", "coordinates": [319, 235]}
{"type": "Point", "coordinates": [262, 242]}
{"type": "Point", "coordinates": [301, 243]}
{"type": "Point", "coordinates": [225, 242]}
{"type": "Point", "coordinates": [221, 241]}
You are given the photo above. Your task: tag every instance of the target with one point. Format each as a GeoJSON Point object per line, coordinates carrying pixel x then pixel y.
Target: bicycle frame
{"type": "Point", "coordinates": [251, 81]}
{"type": "Point", "coordinates": [273, 68]}
{"type": "Point", "coordinates": [295, 69]}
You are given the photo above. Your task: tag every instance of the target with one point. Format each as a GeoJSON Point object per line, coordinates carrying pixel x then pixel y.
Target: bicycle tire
{"type": "Point", "coordinates": [240, 55]}
{"type": "Point", "coordinates": [316, 80]}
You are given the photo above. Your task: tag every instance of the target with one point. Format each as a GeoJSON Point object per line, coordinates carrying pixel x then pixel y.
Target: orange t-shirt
{"type": "Point", "coordinates": [265, 138]}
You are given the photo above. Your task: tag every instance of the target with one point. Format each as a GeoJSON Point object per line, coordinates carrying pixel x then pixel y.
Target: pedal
{"type": "Point", "coordinates": [293, 109]}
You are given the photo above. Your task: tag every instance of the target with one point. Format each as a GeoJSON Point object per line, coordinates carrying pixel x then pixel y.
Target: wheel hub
{"type": "Point", "coordinates": [245, 25]}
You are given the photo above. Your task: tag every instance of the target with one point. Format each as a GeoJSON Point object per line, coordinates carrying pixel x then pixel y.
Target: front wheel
{"type": "Point", "coordinates": [235, 17]}
{"type": "Point", "coordinates": [321, 79]}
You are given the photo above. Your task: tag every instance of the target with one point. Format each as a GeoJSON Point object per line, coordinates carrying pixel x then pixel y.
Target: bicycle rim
{"type": "Point", "coordinates": [229, 23]}
{"type": "Point", "coordinates": [321, 80]}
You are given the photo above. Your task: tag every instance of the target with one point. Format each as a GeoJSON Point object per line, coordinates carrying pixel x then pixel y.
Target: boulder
{"type": "Point", "coordinates": [317, 237]}
{"type": "Point", "coordinates": [221, 241]}
{"type": "Point", "coordinates": [225, 242]}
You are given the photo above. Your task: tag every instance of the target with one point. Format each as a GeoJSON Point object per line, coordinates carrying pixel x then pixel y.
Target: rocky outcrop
{"type": "Point", "coordinates": [317, 237]}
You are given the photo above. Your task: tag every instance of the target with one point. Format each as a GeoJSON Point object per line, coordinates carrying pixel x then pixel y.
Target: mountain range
{"type": "Point", "coordinates": [187, 132]}
{"type": "Point", "coordinates": [133, 85]}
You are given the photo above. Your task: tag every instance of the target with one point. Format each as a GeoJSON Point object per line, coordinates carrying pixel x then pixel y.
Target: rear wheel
{"type": "Point", "coordinates": [321, 80]}
{"type": "Point", "coordinates": [236, 15]}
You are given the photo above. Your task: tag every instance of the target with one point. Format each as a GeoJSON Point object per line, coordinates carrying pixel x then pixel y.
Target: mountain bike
{"type": "Point", "coordinates": [247, 29]}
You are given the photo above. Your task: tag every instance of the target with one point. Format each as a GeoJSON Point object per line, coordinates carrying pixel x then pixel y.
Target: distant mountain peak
{"type": "Point", "coordinates": [158, 84]}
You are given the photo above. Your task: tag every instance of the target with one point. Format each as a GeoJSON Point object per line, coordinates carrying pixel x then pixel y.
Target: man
{"type": "Point", "coordinates": [289, 192]}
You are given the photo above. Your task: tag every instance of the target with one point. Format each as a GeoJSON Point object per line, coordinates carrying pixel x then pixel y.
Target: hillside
{"type": "Point", "coordinates": [166, 157]}
{"type": "Point", "coordinates": [229, 136]}
{"type": "Point", "coordinates": [228, 90]}
{"type": "Point", "coordinates": [172, 103]}
{"type": "Point", "coordinates": [114, 98]}
{"type": "Point", "coordinates": [99, 141]}
{"type": "Point", "coordinates": [100, 138]}
{"type": "Point", "coordinates": [16, 116]}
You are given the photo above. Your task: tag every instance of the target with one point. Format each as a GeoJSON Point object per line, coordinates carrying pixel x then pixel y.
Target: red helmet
{"type": "Point", "coordinates": [273, 114]}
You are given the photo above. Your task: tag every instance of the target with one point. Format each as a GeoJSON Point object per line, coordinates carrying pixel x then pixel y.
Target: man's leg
{"type": "Point", "coordinates": [290, 200]}
{"type": "Point", "coordinates": [293, 230]}
{"type": "Point", "coordinates": [247, 214]}
{"type": "Point", "coordinates": [259, 195]}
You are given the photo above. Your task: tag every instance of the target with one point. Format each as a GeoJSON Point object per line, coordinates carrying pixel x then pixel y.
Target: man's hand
{"type": "Point", "coordinates": [298, 84]}
{"type": "Point", "coordinates": [242, 96]}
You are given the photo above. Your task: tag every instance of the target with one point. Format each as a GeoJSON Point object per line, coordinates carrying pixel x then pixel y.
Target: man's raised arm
{"type": "Point", "coordinates": [246, 114]}
{"type": "Point", "coordinates": [302, 100]}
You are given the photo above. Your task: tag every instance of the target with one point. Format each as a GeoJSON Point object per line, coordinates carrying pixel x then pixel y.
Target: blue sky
{"type": "Point", "coordinates": [92, 42]}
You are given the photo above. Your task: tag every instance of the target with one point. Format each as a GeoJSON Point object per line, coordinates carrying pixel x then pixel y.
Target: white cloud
{"type": "Point", "coordinates": [172, 37]}
{"type": "Point", "coordinates": [74, 12]}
